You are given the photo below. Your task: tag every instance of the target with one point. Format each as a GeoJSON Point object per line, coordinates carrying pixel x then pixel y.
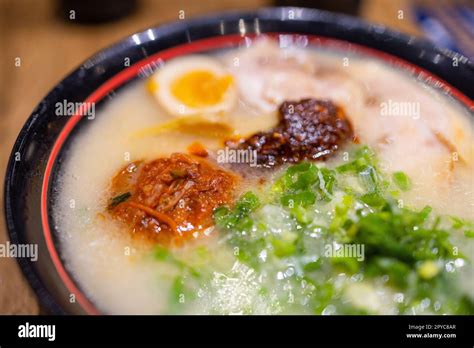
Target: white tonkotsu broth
{"type": "Point", "coordinates": [433, 145]}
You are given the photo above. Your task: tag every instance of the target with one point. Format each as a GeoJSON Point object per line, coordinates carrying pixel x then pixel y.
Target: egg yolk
{"type": "Point", "coordinates": [200, 88]}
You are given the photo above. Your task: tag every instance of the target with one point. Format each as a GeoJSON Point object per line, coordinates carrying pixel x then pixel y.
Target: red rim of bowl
{"type": "Point", "coordinates": [193, 47]}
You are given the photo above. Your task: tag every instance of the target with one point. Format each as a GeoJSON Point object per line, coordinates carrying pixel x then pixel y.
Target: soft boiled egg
{"type": "Point", "coordinates": [194, 85]}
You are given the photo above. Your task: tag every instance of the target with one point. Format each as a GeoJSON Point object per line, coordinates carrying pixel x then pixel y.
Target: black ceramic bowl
{"type": "Point", "coordinates": [38, 151]}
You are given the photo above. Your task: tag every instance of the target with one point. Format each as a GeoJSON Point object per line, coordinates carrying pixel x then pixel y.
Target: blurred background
{"type": "Point", "coordinates": [42, 40]}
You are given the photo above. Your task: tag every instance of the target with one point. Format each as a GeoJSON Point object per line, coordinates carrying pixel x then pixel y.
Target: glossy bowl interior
{"type": "Point", "coordinates": [43, 141]}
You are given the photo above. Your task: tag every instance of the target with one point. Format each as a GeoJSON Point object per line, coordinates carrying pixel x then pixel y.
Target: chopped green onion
{"type": "Point", "coordinates": [402, 181]}
{"type": "Point", "coordinates": [119, 199]}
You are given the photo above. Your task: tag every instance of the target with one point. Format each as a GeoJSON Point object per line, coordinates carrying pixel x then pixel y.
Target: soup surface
{"type": "Point", "coordinates": [272, 179]}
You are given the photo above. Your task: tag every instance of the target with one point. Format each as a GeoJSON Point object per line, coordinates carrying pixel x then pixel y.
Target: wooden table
{"type": "Point", "coordinates": [49, 48]}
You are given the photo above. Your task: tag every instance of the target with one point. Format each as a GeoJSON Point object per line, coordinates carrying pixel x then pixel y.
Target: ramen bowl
{"type": "Point", "coordinates": [72, 130]}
